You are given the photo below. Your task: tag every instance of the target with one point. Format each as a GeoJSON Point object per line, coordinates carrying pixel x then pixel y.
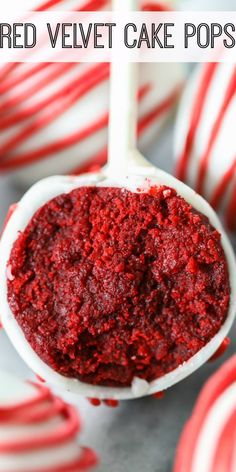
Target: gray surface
{"type": "Point", "coordinates": [141, 435]}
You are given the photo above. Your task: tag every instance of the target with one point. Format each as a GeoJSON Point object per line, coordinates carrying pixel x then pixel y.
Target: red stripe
{"type": "Point", "coordinates": [41, 408]}
{"type": "Point", "coordinates": [88, 6]}
{"type": "Point", "coordinates": [34, 89]}
{"type": "Point", "coordinates": [49, 116]}
{"type": "Point", "coordinates": [226, 447]}
{"type": "Point", "coordinates": [35, 413]}
{"type": "Point", "coordinates": [62, 93]}
{"type": "Point", "coordinates": [204, 159]}
{"type": "Point", "coordinates": [93, 164]}
{"type": "Point", "coordinates": [231, 211]}
{"type": "Point", "coordinates": [67, 141]}
{"type": "Point", "coordinates": [91, 5]}
{"type": "Point", "coordinates": [75, 138]}
{"type": "Point", "coordinates": [214, 387]}
{"type": "Point", "coordinates": [48, 4]}
{"type": "Point", "coordinates": [8, 68]}
{"type": "Point", "coordinates": [57, 146]}
{"type": "Point", "coordinates": [159, 110]}
{"type": "Point", "coordinates": [58, 70]}
{"type": "Point", "coordinates": [198, 106]}
{"type": "Point", "coordinates": [67, 431]}
{"type": "Point", "coordinates": [87, 459]}
{"type": "Point", "coordinates": [17, 79]}
{"type": "Point", "coordinates": [223, 185]}
{"type": "Point", "coordinates": [158, 6]}
{"type": "Point", "coordinates": [42, 394]}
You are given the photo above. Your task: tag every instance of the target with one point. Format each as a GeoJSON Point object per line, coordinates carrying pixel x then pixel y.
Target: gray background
{"type": "Point", "coordinates": [140, 435]}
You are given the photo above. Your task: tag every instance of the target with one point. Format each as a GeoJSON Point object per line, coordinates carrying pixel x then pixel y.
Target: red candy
{"type": "Point", "coordinates": [109, 285]}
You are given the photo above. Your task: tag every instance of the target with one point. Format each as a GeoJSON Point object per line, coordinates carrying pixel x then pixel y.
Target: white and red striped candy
{"type": "Point", "coordinates": [53, 117]}
{"type": "Point", "coordinates": [38, 431]}
{"type": "Point", "coordinates": [205, 137]}
{"type": "Point", "coordinates": [208, 442]}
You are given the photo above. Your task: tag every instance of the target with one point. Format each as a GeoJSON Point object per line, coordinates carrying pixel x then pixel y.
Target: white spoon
{"type": "Point", "coordinates": [126, 168]}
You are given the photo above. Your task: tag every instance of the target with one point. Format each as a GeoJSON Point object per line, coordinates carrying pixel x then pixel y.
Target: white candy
{"type": "Point", "coordinates": [17, 453]}
{"type": "Point", "coordinates": [205, 146]}
{"type": "Point", "coordinates": [70, 125]}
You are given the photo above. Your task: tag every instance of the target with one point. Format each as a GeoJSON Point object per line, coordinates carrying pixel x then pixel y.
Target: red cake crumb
{"type": "Point", "coordinates": [107, 284]}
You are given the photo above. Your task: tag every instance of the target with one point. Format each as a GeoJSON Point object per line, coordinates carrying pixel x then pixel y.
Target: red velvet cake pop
{"type": "Point", "coordinates": [114, 288]}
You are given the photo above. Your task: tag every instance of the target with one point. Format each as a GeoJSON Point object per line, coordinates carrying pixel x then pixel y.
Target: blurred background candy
{"type": "Point", "coordinates": [53, 117]}
{"type": "Point", "coordinates": [38, 431]}
{"type": "Point", "coordinates": [208, 441]}
{"type": "Point", "coordinates": [205, 146]}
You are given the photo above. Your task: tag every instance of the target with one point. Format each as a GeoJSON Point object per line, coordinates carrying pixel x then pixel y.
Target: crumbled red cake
{"type": "Point", "coordinates": [108, 284]}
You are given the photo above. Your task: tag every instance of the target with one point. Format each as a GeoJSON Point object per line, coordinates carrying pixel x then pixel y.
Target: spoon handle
{"type": "Point", "coordinates": [123, 106]}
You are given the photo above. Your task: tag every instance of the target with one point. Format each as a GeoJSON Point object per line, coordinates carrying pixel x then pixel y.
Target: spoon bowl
{"type": "Point", "coordinates": [141, 176]}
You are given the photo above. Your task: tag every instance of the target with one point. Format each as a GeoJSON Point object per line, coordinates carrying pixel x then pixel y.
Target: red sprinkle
{"type": "Point", "coordinates": [94, 401]}
{"type": "Point", "coordinates": [108, 284]}
{"type": "Point", "coordinates": [159, 395]}
{"type": "Point", "coordinates": [111, 403]}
